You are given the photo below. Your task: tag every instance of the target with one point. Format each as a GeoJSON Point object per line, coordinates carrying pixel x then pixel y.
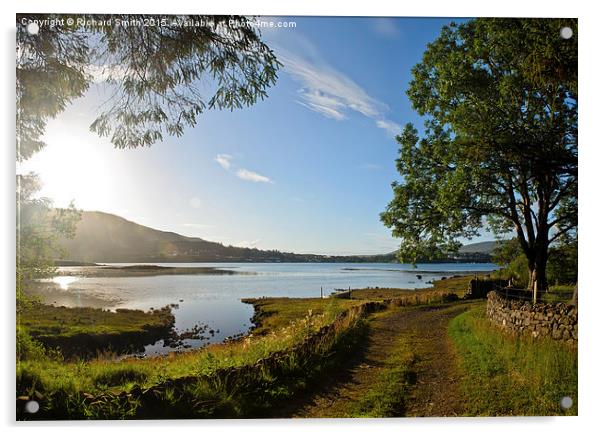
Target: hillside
{"type": "Point", "coordinates": [478, 248]}
{"type": "Point", "coordinates": [103, 237]}
{"type": "Point", "coordinates": [107, 238]}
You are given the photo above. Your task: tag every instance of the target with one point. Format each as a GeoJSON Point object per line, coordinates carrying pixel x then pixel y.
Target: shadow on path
{"type": "Point", "coordinates": [425, 330]}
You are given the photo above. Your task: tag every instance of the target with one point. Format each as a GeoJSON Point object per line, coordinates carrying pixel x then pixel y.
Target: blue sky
{"type": "Point", "coordinates": [306, 170]}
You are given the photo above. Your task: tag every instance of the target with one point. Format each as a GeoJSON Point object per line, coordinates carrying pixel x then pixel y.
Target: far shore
{"type": "Point", "coordinates": [100, 271]}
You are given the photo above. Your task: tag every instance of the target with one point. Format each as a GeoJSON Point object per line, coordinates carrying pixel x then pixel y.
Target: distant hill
{"type": "Point", "coordinates": [107, 238]}
{"type": "Point", "coordinates": [480, 248]}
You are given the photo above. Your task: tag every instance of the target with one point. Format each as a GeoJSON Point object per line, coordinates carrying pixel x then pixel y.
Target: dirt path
{"type": "Point", "coordinates": [436, 391]}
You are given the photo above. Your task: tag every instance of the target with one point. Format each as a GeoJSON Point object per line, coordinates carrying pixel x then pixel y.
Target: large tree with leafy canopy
{"type": "Point", "coordinates": [499, 145]}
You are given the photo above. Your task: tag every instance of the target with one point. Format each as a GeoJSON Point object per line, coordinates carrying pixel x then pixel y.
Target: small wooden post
{"type": "Point", "coordinates": [321, 293]}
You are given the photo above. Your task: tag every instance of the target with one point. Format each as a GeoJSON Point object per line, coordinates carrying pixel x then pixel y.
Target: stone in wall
{"type": "Point", "coordinates": [556, 320]}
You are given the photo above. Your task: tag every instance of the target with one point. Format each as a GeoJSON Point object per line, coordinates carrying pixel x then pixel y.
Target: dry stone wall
{"type": "Point", "coordinates": [555, 320]}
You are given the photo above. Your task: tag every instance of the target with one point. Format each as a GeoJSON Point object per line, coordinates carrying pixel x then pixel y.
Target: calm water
{"type": "Point", "coordinates": [215, 299]}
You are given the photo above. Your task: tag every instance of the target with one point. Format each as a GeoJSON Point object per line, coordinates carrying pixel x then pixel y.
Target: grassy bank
{"type": "Point", "coordinates": [505, 375]}
{"type": "Point", "coordinates": [295, 344]}
{"type": "Point", "coordinates": [84, 330]}
{"type": "Point", "coordinates": [443, 290]}
{"type": "Point", "coordinates": [69, 389]}
{"type": "Point", "coordinates": [272, 314]}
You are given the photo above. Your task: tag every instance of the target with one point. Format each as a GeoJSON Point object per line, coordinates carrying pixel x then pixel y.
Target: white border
{"type": "Point", "coordinates": [590, 244]}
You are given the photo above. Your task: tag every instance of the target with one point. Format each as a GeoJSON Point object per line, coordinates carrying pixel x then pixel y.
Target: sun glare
{"type": "Point", "coordinates": [74, 166]}
{"type": "Point", "coordinates": [64, 281]}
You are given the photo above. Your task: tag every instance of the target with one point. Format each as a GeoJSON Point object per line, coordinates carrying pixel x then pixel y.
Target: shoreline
{"type": "Point", "coordinates": [109, 271]}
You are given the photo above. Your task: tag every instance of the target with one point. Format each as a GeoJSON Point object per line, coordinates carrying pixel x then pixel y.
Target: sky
{"type": "Point", "coordinates": [306, 170]}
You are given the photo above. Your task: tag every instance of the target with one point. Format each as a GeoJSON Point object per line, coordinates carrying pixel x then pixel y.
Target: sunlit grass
{"type": "Point", "coordinates": [444, 287]}
{"type": "Point", "coordinates": [272, 314]}
{"type": "Point", "coordinates": [294, 322]}
{"type": "Point", "coordinates": [190, 384]}
{"type": "Point", "coordinates": [506, 375]}
{"type": "Point", "coordinates": [42, 320]}
{"type": "Point", "coordinates": [389, 395]}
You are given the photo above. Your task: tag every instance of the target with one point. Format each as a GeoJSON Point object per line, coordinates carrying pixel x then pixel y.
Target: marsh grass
{"type": "Point", "coordinates": [41, 320]}
{"type": "Point", "coordinates": [512, 375]}
{"type": "Point", "coordinates": [83, 375]}
{"type": "Point", "coordinates": [443, 290]}
{"type": "Point", "coordinates": [272, 314]}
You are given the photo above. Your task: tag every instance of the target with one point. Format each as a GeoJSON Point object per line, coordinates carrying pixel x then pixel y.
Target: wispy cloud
{"type": "Point", "coordinates": [386, 27]}
{"type": "Point", "coordinates": [195, 202]}
{"type": "Point", "coordinates": [245, 174]}
{"type": "Point", "coordinates": [248, 243]}
{"type": "Point", "coordinates": [225, 161]}
{"type": "Point", "coordinates": [392, 127]}
{"type": "Point", "coordinates": [331, 93]}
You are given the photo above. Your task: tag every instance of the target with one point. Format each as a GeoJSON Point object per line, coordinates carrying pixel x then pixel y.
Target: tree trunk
{"type": "Point", "coordinates": [574, 298]}
{"type": "Point", "coordinates": [538, 282]}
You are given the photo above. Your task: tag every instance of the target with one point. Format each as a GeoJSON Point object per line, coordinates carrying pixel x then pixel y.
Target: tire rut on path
{"type": "Point", "coordinates": [425, 330]}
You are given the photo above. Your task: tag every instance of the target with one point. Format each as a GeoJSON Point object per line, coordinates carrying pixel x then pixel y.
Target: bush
{"type": "Point", "coordinates": [517, 270]}
{"type": "Point", "coordinates": [561, 267]}
{"type": "Point", "coordinates": [562, 264]}
{"type": "Point", "coordinates": [27, 347]}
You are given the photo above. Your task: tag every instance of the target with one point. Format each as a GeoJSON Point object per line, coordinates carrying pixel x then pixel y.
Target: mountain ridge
{"type": "Point", "coordinates": [107, 238]}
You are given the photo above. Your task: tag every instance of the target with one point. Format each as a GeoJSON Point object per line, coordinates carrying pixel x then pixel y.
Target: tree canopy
{"type": "Point", "coordinates": [499, 145]}
{"type": "Point", "coordinates": [160, 77]}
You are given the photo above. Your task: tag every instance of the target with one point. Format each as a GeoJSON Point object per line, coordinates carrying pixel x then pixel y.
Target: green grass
{"type": "Point", "coordinates": [388, 397]}
{"type": "Point", "coordinates": [287, 323]}
{"type": "Point", "coordinates": [282, 323]}
{"type": "Point", "coordinates": [452, 286]}
{"type": "Point", "coordinates": [272, 314]}
{"type": "Point", "coordinates": [506, 375]}
{"type": "Point", "coordinates": [558, 293]}
{"type": "Point", "coordinates": [70, 386]}
{"type": "Point", "coordinates": [41, 320]}
{"type": "Point", "coordinates": [182, 384]}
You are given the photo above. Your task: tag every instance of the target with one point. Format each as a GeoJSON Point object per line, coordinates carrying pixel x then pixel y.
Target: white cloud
{"type": "Point", "coordinates": [386, 27]}
{"type": "Point", "coordinates": [195, 202]}
{"type": "Point", "coordinates": [248, 243]}
{"type": "Point", "coordinates": [326, 88]}
{"type": "Point", "coordinates": [224, 160]}
{"type": "Point", "coordinates": [103, 73]}
{"type": "Point", "coordinates": [391, 127]}
{"type": "Point", "coordinates": [245, 174]}
{"type": "Point", "coordinates": [331, 93]}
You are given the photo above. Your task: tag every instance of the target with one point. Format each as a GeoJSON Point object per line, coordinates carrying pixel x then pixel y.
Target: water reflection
{"type": "Point", "coordinates": [64, 281]}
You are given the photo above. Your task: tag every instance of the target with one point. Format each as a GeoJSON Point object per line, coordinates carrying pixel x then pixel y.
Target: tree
{"type": "Point", "coordinates": [39, 226]}
{"type": "Point", "coordinates": [499, 147]}
{"type": "Point", "coordinates": [161, 74]}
